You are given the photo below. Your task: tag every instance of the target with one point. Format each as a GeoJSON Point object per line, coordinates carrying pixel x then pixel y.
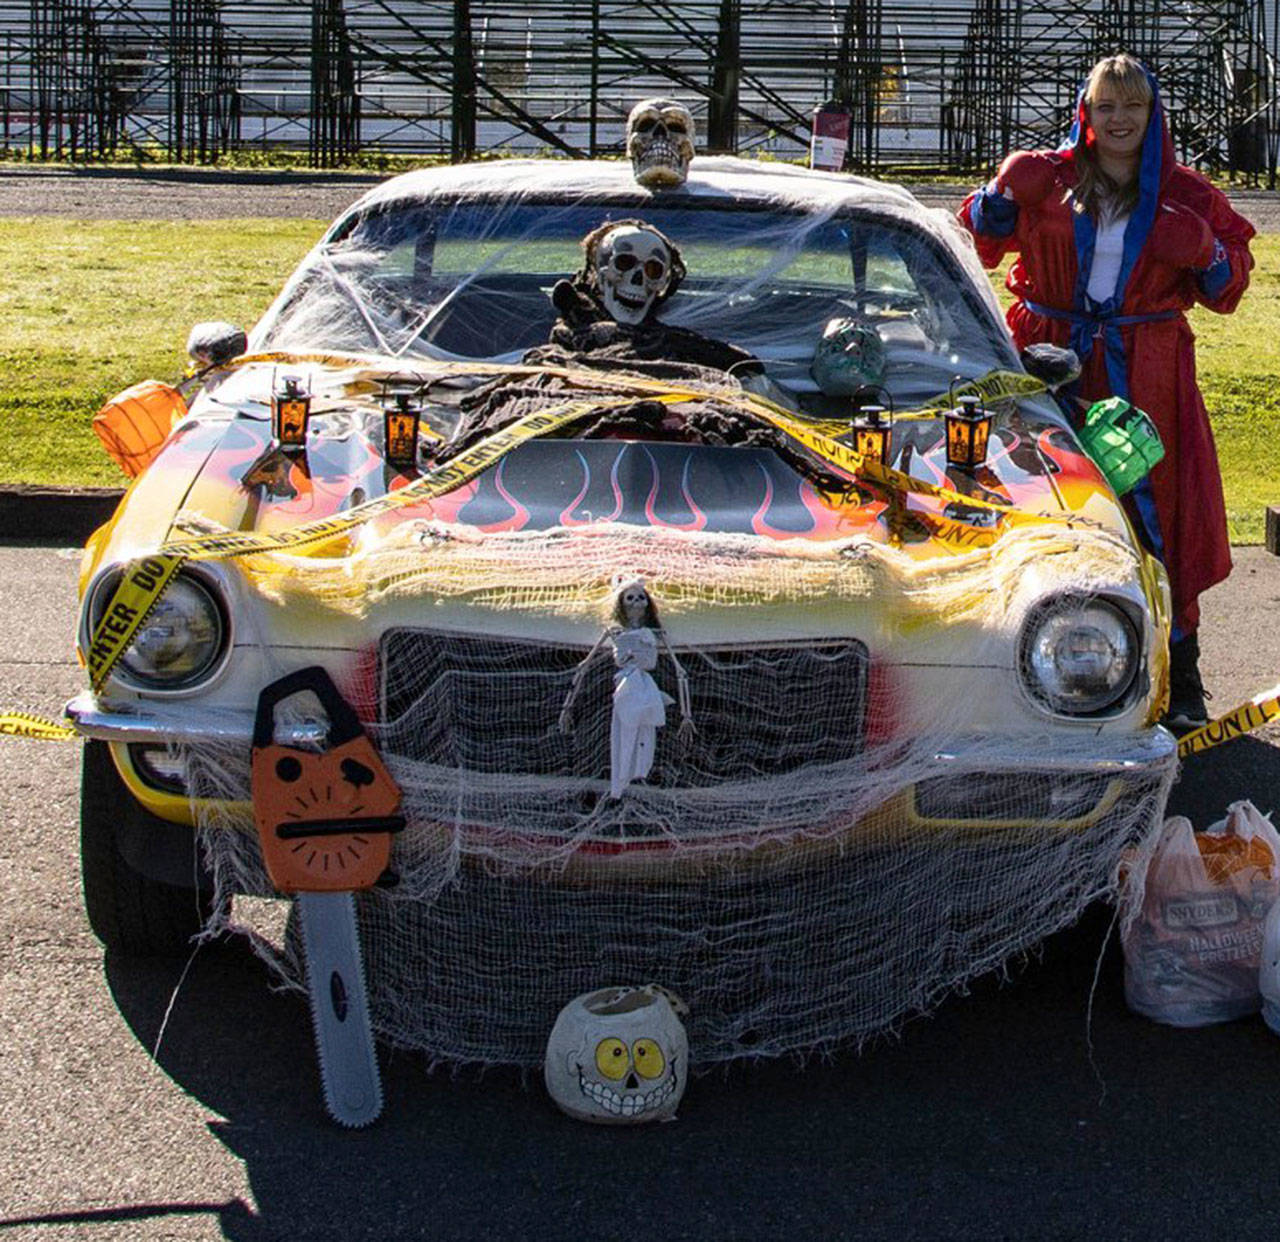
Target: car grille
{"type": "Point", "coordinates": [493, 705]}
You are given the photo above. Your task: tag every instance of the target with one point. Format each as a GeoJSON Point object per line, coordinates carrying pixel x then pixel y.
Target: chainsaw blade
{"type": "Point", "coordinates": [340, 1008]}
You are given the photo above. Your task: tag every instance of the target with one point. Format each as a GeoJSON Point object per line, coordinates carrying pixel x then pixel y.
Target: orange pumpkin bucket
{"type": "Point", "coordinates": [133, 425]}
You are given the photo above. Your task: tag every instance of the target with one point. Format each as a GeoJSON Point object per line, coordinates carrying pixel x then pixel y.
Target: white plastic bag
{"type": "Point", "coordinates": [1192, 950]}
{"type": "Point", "coordinates": [1269, 976]}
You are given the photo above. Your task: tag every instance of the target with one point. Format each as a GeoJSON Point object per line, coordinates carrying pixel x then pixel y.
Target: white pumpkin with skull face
{"type": "Point", "coordinates": [618, 1056]}
{"type": "Point", "coordinates": [633, 269]}
{"type": "Point", "coordinates": [660, 142]}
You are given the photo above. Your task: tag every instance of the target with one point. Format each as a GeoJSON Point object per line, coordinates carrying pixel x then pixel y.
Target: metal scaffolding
{"type": "Point", "coordinates": [204, 105]}
{"type": "Point", "coordinates": [335, 102]}
{"type": "Point", "coordinates": [945, 85]}
{"type": "Point", "coordinates": [1017, 74]}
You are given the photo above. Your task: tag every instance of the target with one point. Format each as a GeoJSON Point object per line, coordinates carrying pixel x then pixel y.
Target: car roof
{"type": "Point", "coordinates": [749, 183]}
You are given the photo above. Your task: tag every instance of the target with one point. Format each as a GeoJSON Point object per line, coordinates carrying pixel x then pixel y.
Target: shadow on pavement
{"type": "Point", "coordinates": [1244, 768]}
{"type": "Point", "coordinates": [1008, 1114]}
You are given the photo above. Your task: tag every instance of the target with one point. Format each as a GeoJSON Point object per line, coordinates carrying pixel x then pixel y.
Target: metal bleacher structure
{"type": "Point", "coordinates": [930, 85]}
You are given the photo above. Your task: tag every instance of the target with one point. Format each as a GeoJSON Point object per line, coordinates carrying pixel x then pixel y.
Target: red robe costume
{"type": "Point", "coordinates": [1137, 344]}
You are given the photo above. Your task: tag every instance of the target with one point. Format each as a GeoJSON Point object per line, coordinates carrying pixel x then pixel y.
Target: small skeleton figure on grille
{"type": "Point", "coordinates": [639, 707]}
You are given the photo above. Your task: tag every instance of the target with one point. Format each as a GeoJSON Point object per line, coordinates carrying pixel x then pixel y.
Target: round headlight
{"type": "Point", "coordinates": [180, 642]}
{"type": "Point", "coordinates": [1079, 655]}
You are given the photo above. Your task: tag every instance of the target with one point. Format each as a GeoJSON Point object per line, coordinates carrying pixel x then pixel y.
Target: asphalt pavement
{"type": "Point", "coordinates": [1036, 1106]}
{"type": "Point", "coordinates": [125, 193]}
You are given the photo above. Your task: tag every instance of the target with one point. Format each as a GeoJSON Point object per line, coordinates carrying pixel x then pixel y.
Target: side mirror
{"type": "Point", "coordinates": [212, 344]}
{"type": "Point", "coordinates": [1051, 363]}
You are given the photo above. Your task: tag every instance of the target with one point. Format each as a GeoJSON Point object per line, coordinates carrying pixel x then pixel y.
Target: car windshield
{"type": "Point", "coordinates": [472, 280]}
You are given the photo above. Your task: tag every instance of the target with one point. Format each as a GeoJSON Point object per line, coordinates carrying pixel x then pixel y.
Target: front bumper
{"type": "Point", "coordinates": [1121, 753]}
{"type": "Point", "coordinates": [179, 725]}
{"type": "Point", "coordinates": [978, 783]}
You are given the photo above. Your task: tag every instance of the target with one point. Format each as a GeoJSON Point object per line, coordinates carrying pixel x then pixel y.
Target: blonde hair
{"type": "Point", "coordinates": [1095, 191]}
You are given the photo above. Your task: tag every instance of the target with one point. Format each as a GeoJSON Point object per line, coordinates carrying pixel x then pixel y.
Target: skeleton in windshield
{"type": "Point", "coordinates": [609, 320]}
{"type": "Point", "coordinates": [610, 309]}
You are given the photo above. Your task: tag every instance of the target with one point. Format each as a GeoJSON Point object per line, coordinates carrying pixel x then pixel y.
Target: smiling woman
{"type": "Point", "coordinates": [1118, 99]}
{"type": "Point", "coordinates": [1115, 242]}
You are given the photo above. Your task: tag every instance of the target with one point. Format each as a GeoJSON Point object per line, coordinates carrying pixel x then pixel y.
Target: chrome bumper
{"type": "Point", "coordinates": [156, 723]}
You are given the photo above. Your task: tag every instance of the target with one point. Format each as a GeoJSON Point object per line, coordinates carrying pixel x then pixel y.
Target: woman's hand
{"type": "Point", "coordinates": [1181, 238]}
{"type": "Point", "coordinates": [1027, 177]}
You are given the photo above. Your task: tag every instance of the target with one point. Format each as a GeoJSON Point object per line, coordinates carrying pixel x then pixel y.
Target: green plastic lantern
{"type": "Point", "coordinates": [1122, 441]}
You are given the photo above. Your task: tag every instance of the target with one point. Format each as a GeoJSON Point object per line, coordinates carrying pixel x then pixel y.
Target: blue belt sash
{"type": "Point", "coordinates": [1106, 325]}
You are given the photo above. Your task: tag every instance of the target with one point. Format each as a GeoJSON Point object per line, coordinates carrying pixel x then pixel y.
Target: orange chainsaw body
{"type": "Point", "coordinates": [325, 820]}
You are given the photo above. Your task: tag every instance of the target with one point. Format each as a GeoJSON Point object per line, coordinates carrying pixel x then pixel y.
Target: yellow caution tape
{"type": "Point", "coordinates": [142, 585]}
{"type": "Point", "coordinates": [137, 594]}
{"type": "Point", "coordinates": [23, 724]}
{"type": "Point", "coordinates": [993, 386]}
{"type": "Point", "coordinates": [1244, 719]}
{"type": "Point", "coordinates": [436, 482]}
{"type": "Point", "coordinates": [837, 453]}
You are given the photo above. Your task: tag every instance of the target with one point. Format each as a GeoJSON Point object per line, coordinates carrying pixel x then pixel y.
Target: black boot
{"type": "Point", "coordinates": [1186, 691]}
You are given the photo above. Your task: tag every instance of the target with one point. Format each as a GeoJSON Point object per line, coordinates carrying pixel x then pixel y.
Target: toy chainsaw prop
{"type": "Point", "coordinates": [325, 821]}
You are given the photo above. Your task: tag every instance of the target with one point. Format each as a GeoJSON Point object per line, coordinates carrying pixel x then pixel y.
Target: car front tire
{"type": "Point", "coordinates": [132, 913]}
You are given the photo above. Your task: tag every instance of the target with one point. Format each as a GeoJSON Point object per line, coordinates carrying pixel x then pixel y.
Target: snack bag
{"type": "Point", "coordinates": [1192, 951]}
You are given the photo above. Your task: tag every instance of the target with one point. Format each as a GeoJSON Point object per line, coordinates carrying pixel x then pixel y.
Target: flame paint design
{"type": "Point", "coordinates": [519, 514]}
{"type": "Point", "coordinates": [698, 518]}
{"type": "Point", "coordinates": [757, 519]}
{"type": "Point", "coordinates": [670, 485]}
{"type": "Point", "coordinates": [566, 514]}
{"type": "Point", "coordinates": [617, 491]}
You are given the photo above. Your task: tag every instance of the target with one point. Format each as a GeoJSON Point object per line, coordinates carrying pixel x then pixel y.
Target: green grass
{"type": "Point", "coordinates": [1238, 360]}
{"type": "Point", "coordinates": [88, 308]}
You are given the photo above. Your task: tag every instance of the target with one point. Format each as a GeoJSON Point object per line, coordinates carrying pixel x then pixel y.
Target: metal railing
{"type": "Point", "coordinates": [945, 86]}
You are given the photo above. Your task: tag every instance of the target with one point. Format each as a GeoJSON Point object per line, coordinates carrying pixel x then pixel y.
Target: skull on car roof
{"type": "Point", "coordinates": [660, 136]}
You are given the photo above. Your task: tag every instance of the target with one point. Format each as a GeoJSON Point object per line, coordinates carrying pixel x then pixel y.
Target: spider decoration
{"type": "Point", "coordinates": [636, 637]}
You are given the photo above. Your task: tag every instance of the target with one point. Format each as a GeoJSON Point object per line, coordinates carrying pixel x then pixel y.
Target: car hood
{"type": "Point", "coordinates": [222, 469]}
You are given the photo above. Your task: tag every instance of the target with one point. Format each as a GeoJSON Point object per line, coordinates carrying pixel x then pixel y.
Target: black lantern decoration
{"type": "Point", "coordinates": [872, 424]}
{"type": "Point", "coordinates": [290, 411]}
{"type": "Point", "coordinates": [968, 430]}
{"type": "Point", "coordinates": [401, 415]}
{"type": "Point", "coordinates": [872, 433]}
